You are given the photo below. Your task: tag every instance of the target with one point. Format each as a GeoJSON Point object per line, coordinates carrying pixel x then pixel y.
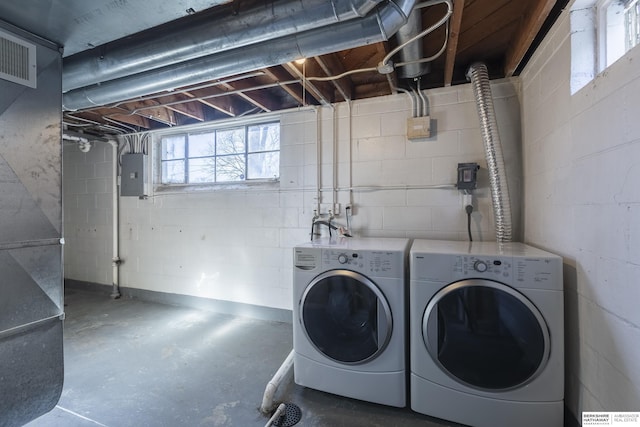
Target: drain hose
{"type": "Point", "coordinates": [479, 77]}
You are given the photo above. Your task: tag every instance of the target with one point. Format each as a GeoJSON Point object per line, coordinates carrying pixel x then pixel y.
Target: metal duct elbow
{"type": "Point", "coordinates": [375, 27]}
{"type": "Point", "coordinates": [479, 77]}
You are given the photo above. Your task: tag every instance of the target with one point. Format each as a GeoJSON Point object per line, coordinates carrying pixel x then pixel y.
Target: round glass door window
{"type": "Point", "coordinates": [346, 317]}
{"type": "Point", "coordinates": [486, 335]}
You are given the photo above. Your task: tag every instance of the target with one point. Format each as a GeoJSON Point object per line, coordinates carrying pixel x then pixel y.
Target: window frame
{"type": "Point", "coordinates": [214, 129]}
{"type": "Point", "coordinates": [612, 15]}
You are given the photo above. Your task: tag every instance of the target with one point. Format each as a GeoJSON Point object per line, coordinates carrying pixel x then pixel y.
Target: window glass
{"type": "Point", "coordinates": [230, 168]}
{"type": "Point", "coordinates": [173, 172]}
{"type": "Point", "coordinates": [264, 137]}
{"type": "Point", "coordinates": [173, 147]}
{"type": "Point", "coordinates": [263, 165]}
{"type": "Point", "coordinates": [202, 170]}
{"type": "Point", "coordinates": [201, 145]}
{"type": "Point", "coordinates": [232, 154]}
{"type": "Point", "coordinates": [340, 317]}
{"type": "Point", "coordinates": [488, 338]}
{"type": "Point", "coordinates": [230, 141]}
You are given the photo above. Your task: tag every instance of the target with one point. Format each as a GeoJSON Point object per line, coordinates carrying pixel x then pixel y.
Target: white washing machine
{"type": "Point", "coordinates": [487, 333]}
{"type": "Point", "coordinates": [349, 318]}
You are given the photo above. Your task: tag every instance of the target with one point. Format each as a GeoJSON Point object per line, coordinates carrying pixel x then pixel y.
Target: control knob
{"type": "Point", "coordinates": [343, 258]}
{"type": "Point", "coordinates": [480, 266]}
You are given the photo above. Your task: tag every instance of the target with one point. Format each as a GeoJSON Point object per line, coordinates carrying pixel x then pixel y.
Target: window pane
{"type": "Point", "coordinates": [202, 170]}
{"type": "Point", "coordinates": [264, 137]}
{"type": "Point", "coordinates": [202, 145]}
{"type": "Point", "coordinates": [173, 147]}
{"type": "Point", "coordinates": [230, 168]}
{"type": "Point", "coordinates": [230, 141]}
{"type": "Point", "coordinates": [173, 172]}
{"type": "Point", "coordinates": [264, 165]}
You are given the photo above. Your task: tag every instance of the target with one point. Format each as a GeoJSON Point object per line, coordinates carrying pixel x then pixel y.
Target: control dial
{"type": "Point", "coordinates": [343, 258]}
{"type": "Point", "coordinates": [480, 266]}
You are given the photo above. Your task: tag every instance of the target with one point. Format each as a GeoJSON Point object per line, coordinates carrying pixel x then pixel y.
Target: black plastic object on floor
{"type": "Point", "coordinates": [292, 416]}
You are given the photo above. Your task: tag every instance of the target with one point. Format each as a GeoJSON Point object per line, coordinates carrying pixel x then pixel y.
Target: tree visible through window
{"type": "Point", "coordinates": [234, 154]}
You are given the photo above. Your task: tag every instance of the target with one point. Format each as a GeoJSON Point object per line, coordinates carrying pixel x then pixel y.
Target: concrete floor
{"type": "Point", "coordinates": [135, 363]}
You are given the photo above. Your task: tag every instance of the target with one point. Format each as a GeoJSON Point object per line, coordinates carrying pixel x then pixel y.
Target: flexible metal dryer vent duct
{"type": "Point", "coordinates": [155, 65]}
{"type": "Point", "coordinates": [479, 77]}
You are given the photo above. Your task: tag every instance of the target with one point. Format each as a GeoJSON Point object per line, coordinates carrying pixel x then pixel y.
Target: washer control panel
{"type": "Point", "coordinates": [372, 263]}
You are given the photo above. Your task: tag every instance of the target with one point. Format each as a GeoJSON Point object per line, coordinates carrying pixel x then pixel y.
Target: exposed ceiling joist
{"type": "Point", "coordinates": [496, 32]}
{"type": "Point", "coordinates": [452, 45]}
{"type": "Point", "coordinates": [331, 66]}
{"type": "Point", "coordinates": [321, 95]}
{"type": "Point", "coordinates": [532, 23]}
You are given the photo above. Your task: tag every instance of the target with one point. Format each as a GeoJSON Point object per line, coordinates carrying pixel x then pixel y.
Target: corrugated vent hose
{"type": "Point", "coordinates": [479, 77]}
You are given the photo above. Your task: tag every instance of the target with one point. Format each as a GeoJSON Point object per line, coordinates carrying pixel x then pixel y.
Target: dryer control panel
{"type": "Point", "coordinates": [490, 267]}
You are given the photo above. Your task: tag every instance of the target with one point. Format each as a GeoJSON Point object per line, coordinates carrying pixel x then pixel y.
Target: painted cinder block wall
{"type": "Point", "coordinates": [582, 200]}
{"type": "Point", "coordinates": [236, 244]}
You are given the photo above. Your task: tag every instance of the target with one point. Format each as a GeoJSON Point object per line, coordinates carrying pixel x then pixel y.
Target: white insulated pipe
{"type": "Point", "coordinates": [115, 260]}
{"type": "Point", "coordinates": [272, 386]}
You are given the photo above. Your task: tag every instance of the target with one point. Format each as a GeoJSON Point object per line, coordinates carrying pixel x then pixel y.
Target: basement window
{"type": "Point", "coordinates": [601, 33]}
{"type": "Point", "coordinates": [619, 29]}
{"type": "Point", "coordinates": [222, 155]}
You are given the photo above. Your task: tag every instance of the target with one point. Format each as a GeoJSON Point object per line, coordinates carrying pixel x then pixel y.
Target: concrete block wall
{"type": "Point", "coordinates": [582, 201]}
{"type": "Point", "coordinates": [235, 244]}
{"type": "Point", "coordinates": [87, 204]}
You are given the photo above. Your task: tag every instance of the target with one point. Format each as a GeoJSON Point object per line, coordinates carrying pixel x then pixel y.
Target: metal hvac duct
{"type": "Point", "coordinates": [377, 26]}
{"type": "Point", "coordinates": [413, 51]}
{"type": "Point", "coordinates": [479, 77]}
{"type": "Point", "coordinates": [207, 35]}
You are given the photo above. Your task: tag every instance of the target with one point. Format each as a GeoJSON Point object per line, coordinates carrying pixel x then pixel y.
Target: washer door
{"type": "Point", "coordinates": [346, 317]}
{"type": "Point", "coordinates": [486, 335]}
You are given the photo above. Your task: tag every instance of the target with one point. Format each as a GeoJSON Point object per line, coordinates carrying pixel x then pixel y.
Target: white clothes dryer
{"type": "Point", "coordinates": [487, 333]}
{"type": "Point", "coordinates": [349, 318]}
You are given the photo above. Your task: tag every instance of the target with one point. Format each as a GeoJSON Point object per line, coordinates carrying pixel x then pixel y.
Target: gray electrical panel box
{"type": "Point", "coordinates": [133, 176]}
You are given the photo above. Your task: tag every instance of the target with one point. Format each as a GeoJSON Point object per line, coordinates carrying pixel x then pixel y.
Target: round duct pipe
{"type": "Point", "coordinates": [205, 35]}
{"type": "Point", "coordinates": [377, 26]}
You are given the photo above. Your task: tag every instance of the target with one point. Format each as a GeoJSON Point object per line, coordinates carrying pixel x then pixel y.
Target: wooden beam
{"type": "Point", "coordinates": [315, 89]}
{"type": "Point", "coordinates": [277, 74]}
{"type": "Point", "coordinates": [331, 66]}
{"type": "Point", "coordinates": [392, 78]}
{"type": "Point", "coordinates": [532, 22]}
{"type": "Point", "coordinates": [178, 103]}
{"type": "Point", "coordinates": [452, 45]}
{"type": "Point", "coordinates": [121, 116]}
{"type": "Point", "coordinates": [255, 98]}
{"type": "Point", "coordinates": [151, 110]}
{"type": "Point", "coordinates": [216, 99]}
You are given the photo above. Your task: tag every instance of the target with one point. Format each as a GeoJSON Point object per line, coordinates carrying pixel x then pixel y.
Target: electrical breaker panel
{"type": "Point", "coordinates": [133, 176]}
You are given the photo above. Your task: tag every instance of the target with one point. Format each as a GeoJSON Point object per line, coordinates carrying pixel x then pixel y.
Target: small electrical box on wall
{"type": "Point", "coordinates": [467, 176]}
{"type": "Point", "coordinates": [419, 127]}
{"type": "Point", "coordinates": [133, 177]}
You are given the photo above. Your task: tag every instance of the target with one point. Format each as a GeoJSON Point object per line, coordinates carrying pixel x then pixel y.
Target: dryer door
{"type": "Point", "coordinates": [346, 317]}
{"type": "Point", "coordinates": [486, 335]}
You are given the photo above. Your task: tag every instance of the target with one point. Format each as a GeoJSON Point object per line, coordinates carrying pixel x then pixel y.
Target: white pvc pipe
{"type": "Point", "coordinates": [272, 386]}
{"type": "Point", "coordinates": [277, 414]}
{"type": "Point", "coordinates": [115, 260]}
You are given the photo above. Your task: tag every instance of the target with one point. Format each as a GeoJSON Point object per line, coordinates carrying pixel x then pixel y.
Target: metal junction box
{"type": "Point", "coordinates": [133, 176]}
